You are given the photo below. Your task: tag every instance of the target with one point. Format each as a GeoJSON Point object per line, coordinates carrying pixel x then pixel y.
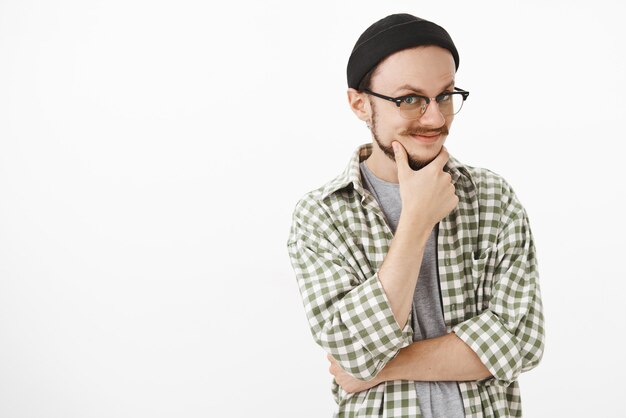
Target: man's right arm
{"type": "Point", "coordinates": [400, 269]}
{"type": "Point", "coordinates": [428, 195]}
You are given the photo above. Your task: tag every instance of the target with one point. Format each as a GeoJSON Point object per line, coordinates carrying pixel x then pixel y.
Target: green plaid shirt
{"type": "Point", "coordinates": [488, 277]}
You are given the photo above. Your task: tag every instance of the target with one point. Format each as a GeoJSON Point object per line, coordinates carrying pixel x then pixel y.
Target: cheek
{"type": "Point", "coordinates": [392, 122]}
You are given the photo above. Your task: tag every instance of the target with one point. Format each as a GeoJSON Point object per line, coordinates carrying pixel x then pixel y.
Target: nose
{"type": "Point", "coordinates": [432, 117]}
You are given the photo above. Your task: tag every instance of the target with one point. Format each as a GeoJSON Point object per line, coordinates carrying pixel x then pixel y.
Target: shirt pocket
{"type": "Point", "coordinates": [482, 277]}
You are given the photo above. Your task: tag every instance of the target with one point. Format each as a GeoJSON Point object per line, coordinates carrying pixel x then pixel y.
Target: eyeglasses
{"type": "Point", "coordinates": [413, 106]}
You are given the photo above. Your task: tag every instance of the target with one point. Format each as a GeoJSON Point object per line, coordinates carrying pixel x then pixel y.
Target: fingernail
{"type": "Point", "coordinates": [395, 147]}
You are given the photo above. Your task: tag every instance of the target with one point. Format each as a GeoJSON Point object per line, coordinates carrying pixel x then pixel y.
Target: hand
{"type": "Point", "coordinates": [427, 193]}
{"type": "Point", "coordinates": [347, 382]}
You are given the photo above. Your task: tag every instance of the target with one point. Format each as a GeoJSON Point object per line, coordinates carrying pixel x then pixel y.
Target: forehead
{"type": "Point", "coordinates": [429, 68]}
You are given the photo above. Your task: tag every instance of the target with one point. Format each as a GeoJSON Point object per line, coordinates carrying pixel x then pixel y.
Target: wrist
{"type": "Point", "coordinates": [415, 227]}
{"type": "Point", "coordinates": [383, 376]}
{"type": "Point", "coordinates": [389, 372]}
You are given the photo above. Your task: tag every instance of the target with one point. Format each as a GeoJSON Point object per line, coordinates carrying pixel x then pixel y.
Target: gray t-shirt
{"type": "Point", "coordinates": [436, 399]}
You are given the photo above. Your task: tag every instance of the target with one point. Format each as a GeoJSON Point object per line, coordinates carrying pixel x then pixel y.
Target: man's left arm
{"type": "Point", "coordinates": [508, 336]}
{"type": "Point", "coordinates": [444, 358]}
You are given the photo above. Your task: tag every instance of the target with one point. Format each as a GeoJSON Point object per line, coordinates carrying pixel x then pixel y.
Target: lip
{"type": "Point", "coordinates": [427, 139]}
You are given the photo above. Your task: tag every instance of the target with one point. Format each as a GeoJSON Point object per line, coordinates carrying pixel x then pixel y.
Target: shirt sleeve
{"type": "Point", "coordinates": [350, 318]}
{"type": "Point", "coordinates": [508, 336]}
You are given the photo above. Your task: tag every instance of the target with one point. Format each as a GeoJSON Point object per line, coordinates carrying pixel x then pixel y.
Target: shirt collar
{"type": "Point", "coordinates": [351, 175]}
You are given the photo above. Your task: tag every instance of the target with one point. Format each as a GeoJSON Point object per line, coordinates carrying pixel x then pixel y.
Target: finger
{"type": "Point", "coordinates": [402, 161]}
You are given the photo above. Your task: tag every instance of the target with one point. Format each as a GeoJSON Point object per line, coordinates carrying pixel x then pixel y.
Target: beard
{"type": "Point", "coordinates": [414, 163]}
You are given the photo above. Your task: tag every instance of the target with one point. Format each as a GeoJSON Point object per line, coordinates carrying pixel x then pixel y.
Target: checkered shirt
{"type": "Point", "coordinates": [489, 287]}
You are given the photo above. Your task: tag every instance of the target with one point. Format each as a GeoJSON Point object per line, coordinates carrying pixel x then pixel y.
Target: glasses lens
{"type": "Point", "coordinates": [414, 107]}
{"type": "Point", "coordinates": [451, 104]}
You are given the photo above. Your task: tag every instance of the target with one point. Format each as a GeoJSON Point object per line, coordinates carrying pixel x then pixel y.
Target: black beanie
{"type": "Point", "coordinates": [392, 34]}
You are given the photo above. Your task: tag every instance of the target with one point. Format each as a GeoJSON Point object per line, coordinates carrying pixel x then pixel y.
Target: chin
{"type": "Point", "coordinates": [425, 156]}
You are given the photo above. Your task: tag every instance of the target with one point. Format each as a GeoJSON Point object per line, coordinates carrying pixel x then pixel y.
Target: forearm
{"type": "Point", "coordinates": [400, 270]}
{"type": "Point", "coordinates": [444, 358]}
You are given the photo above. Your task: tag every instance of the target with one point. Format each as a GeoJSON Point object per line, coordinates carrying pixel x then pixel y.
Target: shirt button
{"type": "Point", "coordinates": [447, 261]}
{"type": "Point", "coordinates": [453, 306]}
{"type": "Point", "coordinates": [473, 408]}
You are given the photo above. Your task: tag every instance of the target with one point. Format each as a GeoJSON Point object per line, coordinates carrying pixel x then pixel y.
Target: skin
{"type": "Point", "coordinates": [427, 195]}
{"type": "Point", "coordinates": [431, 70]}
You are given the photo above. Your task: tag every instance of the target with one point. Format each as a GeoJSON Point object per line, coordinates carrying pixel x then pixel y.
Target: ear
{"type": "Point", "coordinates": [359, 104]}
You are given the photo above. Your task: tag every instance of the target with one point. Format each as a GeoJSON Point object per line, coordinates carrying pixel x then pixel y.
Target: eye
{"type": "Point", "coordinates": [445, 96]}
{"type": "Point", "coordinates": [410, 100]}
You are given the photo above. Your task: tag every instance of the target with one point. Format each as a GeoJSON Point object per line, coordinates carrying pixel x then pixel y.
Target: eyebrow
{"type": "Point", "coordinates": [418, 90]}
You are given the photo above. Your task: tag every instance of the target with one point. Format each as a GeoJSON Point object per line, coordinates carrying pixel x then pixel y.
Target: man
{"type": "Point", "coordinates": [418, 273]}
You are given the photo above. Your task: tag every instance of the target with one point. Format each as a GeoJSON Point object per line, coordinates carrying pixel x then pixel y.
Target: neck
{"type": "Point", "coordinates": [382, 166]}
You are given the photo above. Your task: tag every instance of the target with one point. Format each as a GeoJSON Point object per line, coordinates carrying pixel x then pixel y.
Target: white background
{"type": "Point", "coordinates": [151, 154]}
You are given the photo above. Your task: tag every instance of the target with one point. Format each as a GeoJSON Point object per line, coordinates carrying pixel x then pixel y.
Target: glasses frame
{"type": "Point", "coordinates": [398, 100]}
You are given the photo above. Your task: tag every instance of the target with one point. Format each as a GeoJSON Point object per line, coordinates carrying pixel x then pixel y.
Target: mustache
{"type": "Point", "coordinates": [421, 131]}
